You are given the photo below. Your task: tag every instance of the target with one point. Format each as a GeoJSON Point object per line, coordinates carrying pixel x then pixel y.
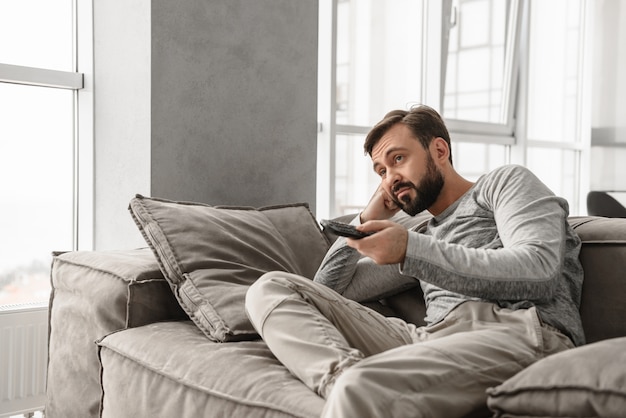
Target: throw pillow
{"type": "Point", "coordinates": [588, 381]}
{"type": "Point", "coordinates": [210, 255]}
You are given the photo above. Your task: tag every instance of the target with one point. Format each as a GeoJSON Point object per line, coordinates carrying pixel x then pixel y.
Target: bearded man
{"type": "Point", "coordinates": [497, 263]}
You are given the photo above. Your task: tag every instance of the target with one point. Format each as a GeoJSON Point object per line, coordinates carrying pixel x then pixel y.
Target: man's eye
{"type": "Point", "coordinates": [398, 158]}
{"type": "Point", "coordinates": [382, 173]}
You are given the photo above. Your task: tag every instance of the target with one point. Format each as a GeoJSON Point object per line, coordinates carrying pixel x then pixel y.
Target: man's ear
{"type": "Point", "coordinates": [440, 150]}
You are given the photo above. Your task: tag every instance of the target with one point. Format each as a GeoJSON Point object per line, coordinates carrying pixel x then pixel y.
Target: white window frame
{"type": "Point", "coordinates": [484, 132]}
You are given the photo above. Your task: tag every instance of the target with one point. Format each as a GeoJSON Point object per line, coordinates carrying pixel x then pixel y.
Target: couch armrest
{"type": "Point", "coordinates": [603, 257]}
{"type": "Point", "coordinates": [95, 293]}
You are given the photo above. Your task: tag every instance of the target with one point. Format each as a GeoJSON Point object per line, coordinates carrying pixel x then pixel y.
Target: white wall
{"type": "Point", "coordinates": [608, 153]}
{"type": "Point", "coordinates": [122, 119]}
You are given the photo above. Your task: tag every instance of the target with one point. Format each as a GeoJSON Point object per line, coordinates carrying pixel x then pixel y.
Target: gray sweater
{"type": "Point", "coordinates": [506, 240]}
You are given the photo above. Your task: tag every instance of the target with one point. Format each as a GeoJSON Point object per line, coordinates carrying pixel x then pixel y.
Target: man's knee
{"type": "Point", "coordinates": [257, 295]}
{"type": "Point", "coordinates": [267, 293]}
{"type": "Point", "coordinates": [268, 285]}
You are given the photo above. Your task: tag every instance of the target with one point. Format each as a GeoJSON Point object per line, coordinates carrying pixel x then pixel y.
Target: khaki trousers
{"type": "Point", "coordinates": [369, 365]}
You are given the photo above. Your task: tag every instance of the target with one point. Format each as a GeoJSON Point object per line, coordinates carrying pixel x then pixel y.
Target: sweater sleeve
{"type": "Point", "coordinates": [528, 260]}
{"type": "Point", "coordinates": [359, 278]}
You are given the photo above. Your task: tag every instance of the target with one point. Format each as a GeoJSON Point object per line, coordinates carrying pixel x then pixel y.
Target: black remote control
{"type": "Point", "coordinates": [344, 230]}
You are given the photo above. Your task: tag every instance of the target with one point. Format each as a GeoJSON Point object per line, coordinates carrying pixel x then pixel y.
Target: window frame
{"type": "Point", "coordinates": [488, 132]}
{"type": "Point", "coordinates": [41, 77]}
{"type": "Point", "coordinates": [581, 146]}
{"type": "Point", "coordinates": [80, 81]}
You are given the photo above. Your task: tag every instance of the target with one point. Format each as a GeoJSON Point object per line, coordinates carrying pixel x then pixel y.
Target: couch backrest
{"type": "Point", "coordinates": [603, 257]}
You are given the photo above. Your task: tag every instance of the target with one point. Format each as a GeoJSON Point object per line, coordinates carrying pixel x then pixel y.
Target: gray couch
{"type": "Point", "coordinates": [124, 341]}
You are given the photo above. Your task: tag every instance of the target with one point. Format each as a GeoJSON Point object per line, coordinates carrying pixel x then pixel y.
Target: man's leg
{"type": "Point", "coordinates": [478, 346]}
{"type": "Point", "coordinates": [315, 332]}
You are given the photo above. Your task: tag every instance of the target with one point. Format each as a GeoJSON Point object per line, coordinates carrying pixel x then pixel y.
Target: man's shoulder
{"type": "Point", "coordinates": [509, 182]}
{"type": "Point", "coordinates": [509, 170]}
{"type": "Point", "coordinates": [510, 175]}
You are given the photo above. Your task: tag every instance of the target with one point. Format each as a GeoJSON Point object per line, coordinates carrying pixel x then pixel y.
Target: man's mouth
{"type": "Point", "coordinates": [401, 191]}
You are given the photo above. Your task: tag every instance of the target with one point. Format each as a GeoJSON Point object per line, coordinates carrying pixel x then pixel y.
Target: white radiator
{"type": "Point", "coordinates": [23, 359]}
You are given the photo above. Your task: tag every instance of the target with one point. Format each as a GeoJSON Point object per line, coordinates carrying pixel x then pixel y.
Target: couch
{"type": "Point", "coordinates": [161, 332]}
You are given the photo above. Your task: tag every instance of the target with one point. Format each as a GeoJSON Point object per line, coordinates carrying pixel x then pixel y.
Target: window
{"type": "Point", "coordinates": [480, 68]}
{"type": "Point", "coordinates": [545, 162]}
{"type": "Point", "coordinates": [379, 60]}
{"type": "Point", "coordinates": [38, 144]}
{"type": "Point", "coordinates": [37, 33]}
{"type": "Point", "coordinates": [484, 158]}
{"type": "Point", "coordinates": [354, 179]}
{"type": "Point", "coordinates": [36, 195]}
{"type": "Point", "coordinates": [507, 75]}
{"type": "Point", "coordinates": [377, 67]}
{"type": "Point", "coordinates": [557, 135]}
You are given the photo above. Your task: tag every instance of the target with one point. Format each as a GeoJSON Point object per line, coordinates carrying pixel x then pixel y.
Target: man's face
{"type": "Point", "coordinates": [409, 174]}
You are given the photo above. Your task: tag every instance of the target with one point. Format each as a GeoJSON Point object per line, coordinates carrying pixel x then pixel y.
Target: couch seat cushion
{"type": "Point", "coordinates": [588, 381]}
{"type": "Point", "coordinates": [171, 369]}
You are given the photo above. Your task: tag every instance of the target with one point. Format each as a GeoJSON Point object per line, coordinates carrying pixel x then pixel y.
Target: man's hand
{"type": "Point", "coordinates": [386, 246]}
{"type": "Point", "coordinates": [380, 206]}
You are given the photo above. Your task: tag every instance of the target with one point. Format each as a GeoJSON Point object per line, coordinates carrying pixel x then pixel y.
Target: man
{"type": "Point", "coordinates": [497, 263]}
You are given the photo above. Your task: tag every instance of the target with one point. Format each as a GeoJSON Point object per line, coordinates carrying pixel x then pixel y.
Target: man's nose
{"type": "Point", "coordinates": [392, 179]}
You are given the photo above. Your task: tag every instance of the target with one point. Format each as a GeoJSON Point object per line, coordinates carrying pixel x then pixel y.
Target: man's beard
{"type": "Point", "coordinates": [425, 194]}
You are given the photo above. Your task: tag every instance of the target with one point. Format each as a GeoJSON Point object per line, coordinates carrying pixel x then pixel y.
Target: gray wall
{"type": "Point", "coordinates": [203, 100]}
{"type": "Point", "coordinates": [234, 96]}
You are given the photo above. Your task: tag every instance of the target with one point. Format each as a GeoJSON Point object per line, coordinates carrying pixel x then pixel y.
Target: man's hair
{"type": "Point", "coordinates": [423, 121]}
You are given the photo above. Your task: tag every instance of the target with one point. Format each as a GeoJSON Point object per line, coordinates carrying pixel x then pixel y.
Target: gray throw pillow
{"type": "Point", "coordinates": [588, 381]}
{"type": "Point", "coordinates": [210, 255]}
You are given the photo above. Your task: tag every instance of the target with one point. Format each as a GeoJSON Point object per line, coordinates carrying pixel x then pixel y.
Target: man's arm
{"type": "Point", "coordinates": [338, 266]}
{"type": "Point", "coordinates": [531, 224]}
{"type": "Point", "coordinates": [359, 278]}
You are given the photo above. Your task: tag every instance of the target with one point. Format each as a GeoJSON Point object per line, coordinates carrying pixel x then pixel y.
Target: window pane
{"type": "Point", "coordinates": [473, 160]}
{"type": "Point", "coordinates": [557, 169]}
{"type": "Point", "coordinates": [355, 180]}
{"type": "Point", "coordinates": [554, 70]}
{"type": "Point", "coordinates": [378, 58]}
{"type": "Point", "coordinates": [36, 193]}
{"type": "Point", "coordinates": [36, 33]}
{"type": "Point", "coordinates": [475, 66]}
{"type": "Point", "coordinates": [610, 172]}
